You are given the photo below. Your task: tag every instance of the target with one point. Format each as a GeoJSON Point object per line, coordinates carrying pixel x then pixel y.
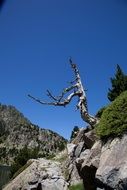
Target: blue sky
{"type": "Point", "coordinates": [36, 39]}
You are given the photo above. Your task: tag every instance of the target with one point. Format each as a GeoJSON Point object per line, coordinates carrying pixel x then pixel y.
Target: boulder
{"type": "Point", "coordinates": [112, 170]}
{"type": "Point", "coordinates": [79, 149]}
{"type": "Point", "coordinates": [76, 149]}
{"type": "Point", "coordinates": [87, 136]}
{"type": "Point", "coordinates": [87, 165]}
{"type": "Point", "coordinates": [40, 174]}
{"type": "Point", "coordinates": [70, 149]}
{"type": "Point", "coordinates": [74, 177]}
{"type": "Point", "coordinates": [73, 152]}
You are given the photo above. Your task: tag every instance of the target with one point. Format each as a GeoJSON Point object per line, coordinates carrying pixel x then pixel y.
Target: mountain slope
{"type": "Point", "coordinates": [16, 132]}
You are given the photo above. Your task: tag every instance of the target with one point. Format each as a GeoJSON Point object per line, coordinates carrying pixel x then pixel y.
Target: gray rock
{"type": "Point", "coordinates": [89, 138]}
{"type": "Point", "coordinates": [70, 149]}
{"type": "Point", "coordinates": [73, 152]}
{"type": "Point", "coordinates": [87, 165]}
{"type": "Point", "coordinates": [74, 177]}
{"type": "Point", "coordinates": [78, 150]}
{"type": "Point", "coordinates": [41, 174]}
{"type": "Point", "coordinates": [112, 171]}
{"type": "Point", "coordinates": [80, 135]}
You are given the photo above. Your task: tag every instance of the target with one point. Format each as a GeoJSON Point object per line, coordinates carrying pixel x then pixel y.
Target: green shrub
{"type": "Point", "coordinates": [113, 121]}
{"type": "Point", "coordinates": [77, 187]}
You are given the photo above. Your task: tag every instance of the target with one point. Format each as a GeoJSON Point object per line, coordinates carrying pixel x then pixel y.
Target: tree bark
{"type": "Point", "coordinates": [76, 89]}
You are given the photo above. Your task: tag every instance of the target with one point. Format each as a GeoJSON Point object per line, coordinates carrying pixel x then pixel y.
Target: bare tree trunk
{"type": "Point", "coordinates": [76, 89]}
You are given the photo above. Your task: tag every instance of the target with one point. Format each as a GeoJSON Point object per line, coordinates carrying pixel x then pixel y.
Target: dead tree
{"type": "Point", "coordinates": [75, 89]}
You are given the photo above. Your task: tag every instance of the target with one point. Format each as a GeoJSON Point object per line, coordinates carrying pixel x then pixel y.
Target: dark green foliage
{"type": "Point", "coordinates": [12, 151]}
{"type": "Point", "coordinates": [3, 152]}
{"type": "Point", "coordinates": [61, 145]}
{"type": "Point", "coordinates": [2, 128]}
{"type": "Point", "coordinates": [113, 121]}
{"type": "Point", "coordinates": [74, 132]}
{"type": "Point", "coordinates": [119, 84]}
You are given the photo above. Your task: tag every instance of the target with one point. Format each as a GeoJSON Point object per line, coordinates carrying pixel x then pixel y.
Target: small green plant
{"type": "Point", "coordinates": [113, 121]}
{"type": "Point", "coordinates": [77, 187]}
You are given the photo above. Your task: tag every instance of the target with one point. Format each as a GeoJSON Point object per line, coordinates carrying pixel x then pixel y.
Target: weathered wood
{"type": "Point", "coordinates": [76, 89]}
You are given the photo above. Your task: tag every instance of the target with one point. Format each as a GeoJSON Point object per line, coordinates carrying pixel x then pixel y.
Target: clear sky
{"type": "Point", "coordinates": [36, 39]}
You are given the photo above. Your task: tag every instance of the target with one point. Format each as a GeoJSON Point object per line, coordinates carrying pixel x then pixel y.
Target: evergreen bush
{"type": "Point", "coordinates": [119, 84]}
{"type": "Point", "coordinates": [74, 132]}
{"type": "Point", "coordinates": [113, 121]}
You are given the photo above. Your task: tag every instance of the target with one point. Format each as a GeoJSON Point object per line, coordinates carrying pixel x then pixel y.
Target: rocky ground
{"type": "Point", "coordinates": [99, 165]}
{"type": "Point", "coordinates": [40, 174]}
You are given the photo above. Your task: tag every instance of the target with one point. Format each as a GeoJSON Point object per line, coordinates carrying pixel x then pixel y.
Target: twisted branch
{"type": "Point", "coordinates": [77, 90]}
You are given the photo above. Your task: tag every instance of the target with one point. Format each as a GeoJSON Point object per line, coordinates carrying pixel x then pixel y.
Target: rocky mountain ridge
{"type": "Point", "coordinates": [16, 131]}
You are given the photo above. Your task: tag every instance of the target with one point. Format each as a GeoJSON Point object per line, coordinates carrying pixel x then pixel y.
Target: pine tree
{"type": "Point", "coordinates": [119, 84]}
{"type": "Point", "coordinates": [74, 132]}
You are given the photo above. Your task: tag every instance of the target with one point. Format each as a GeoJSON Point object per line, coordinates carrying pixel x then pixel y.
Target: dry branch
{"type": "Point", "coordinates": [76, 89]}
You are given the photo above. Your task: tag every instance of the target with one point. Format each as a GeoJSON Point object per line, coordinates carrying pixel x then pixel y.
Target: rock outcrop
{"type": "Point", "coordinates": [112, 170]}
{"type": "Point", "coordinates": [73, 177]}
{"type": "Point", "coordinates": [100, 165]}
{"type": "Point", "coordinates": [87, 165]}
{"type": "Point", "coordinates": [41, 174]}
{"type": "Point", "coordinates": [104, 165]}
{"type": "Point", "coordinates": [77, 153]}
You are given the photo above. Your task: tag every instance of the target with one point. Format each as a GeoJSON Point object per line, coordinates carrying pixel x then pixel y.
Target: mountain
{"type": "Point", "coordinates": [17, 132]}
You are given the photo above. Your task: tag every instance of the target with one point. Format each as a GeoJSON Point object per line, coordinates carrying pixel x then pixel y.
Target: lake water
{"type": "Point", "coordinates": [4, 175]}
